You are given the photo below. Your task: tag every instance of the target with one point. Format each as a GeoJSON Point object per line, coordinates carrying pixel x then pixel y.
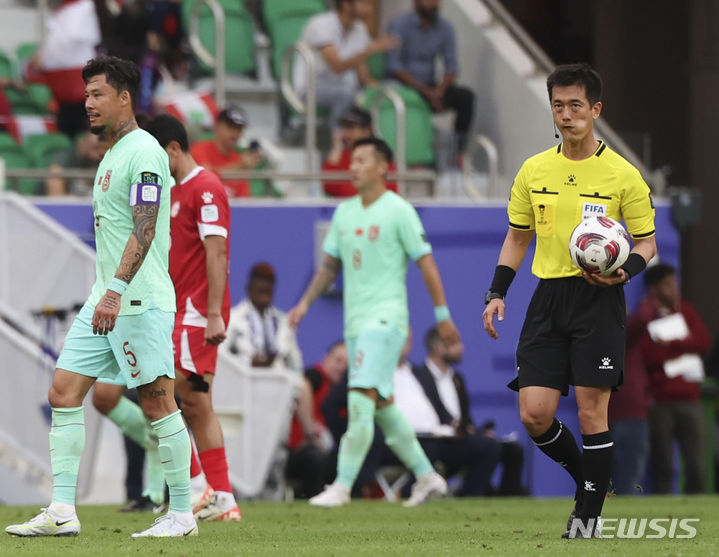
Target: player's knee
{"type": "Point", "coordinates": [592, 420]}
{"type": "Point", "coordinates": [62, 399]}
{"type": "Point", "coordinates": [535, 421]}
{"type": "Point", "coordinates": [102, 402]}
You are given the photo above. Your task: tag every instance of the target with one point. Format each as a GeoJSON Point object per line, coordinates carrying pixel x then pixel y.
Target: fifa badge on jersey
{"type": "Point", "coordinates": [373, 233]}
{"type": "Point", "coordinates": [594, 210]}
{"type": "Point", "coordinates": [106, 181]}
{"type": "Point", "coordinates": [210, 213]}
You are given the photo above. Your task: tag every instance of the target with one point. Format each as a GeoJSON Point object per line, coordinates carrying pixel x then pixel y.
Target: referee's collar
{"type": "Point", "coordinates": [597, 153]}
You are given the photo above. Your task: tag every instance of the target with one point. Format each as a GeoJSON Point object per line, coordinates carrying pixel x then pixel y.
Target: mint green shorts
{"type": "Point", "coordinates": [373, 359]}
{"type": "Point", "coordinates": [136, 352]}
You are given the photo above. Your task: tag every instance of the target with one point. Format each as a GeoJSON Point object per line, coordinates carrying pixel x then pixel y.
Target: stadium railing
{"type": "Point", "coordinates": [308, 107]}
{"type": "Point", "coordinates": [424, 178]}
{"type": "Point", "coordinates": [216, 61]}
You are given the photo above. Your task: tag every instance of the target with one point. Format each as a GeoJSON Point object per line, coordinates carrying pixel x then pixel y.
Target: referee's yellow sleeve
{"type": "Point", "coordinates": [637, 207]}
{"type": "Point", "coordinates": [519, 209]}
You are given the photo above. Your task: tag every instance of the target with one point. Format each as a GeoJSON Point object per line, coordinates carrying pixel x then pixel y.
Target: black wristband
{"type": "Point", "coordinates": [503, 277]}
{"type": "Point", "coordinates": [634, 265]}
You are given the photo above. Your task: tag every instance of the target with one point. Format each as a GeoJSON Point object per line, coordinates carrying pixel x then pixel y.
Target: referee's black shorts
{"type": "Point", "coordinates": [574, 334]}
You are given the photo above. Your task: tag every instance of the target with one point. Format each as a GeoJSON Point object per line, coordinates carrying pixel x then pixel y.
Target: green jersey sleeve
{"type": "Point", "coordinates": [331, 244]}
{"type": "Point", "coordinates": [412, 234]}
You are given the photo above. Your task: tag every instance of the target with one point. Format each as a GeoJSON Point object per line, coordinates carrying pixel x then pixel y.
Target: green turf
{"type": "Point", "coordinates": [453, 527]}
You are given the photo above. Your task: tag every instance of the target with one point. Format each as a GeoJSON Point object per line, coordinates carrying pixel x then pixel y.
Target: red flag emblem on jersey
{"type": "Point", "coordinates": [106, 181]}
{"type": "Point", "coordinates": [358, 232]}
{"type": "Point", "coordinates": [373, 233]}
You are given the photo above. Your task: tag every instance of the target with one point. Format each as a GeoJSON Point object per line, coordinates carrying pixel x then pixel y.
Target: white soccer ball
{"type": "Point", "coordinates": [599, 245]}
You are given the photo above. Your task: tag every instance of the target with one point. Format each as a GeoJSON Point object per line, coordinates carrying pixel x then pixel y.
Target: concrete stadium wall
{"type": "Point", "coordinates": [466, 241]}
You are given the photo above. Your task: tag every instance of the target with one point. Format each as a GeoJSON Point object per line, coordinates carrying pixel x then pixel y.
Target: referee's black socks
{"type": "Point", "coordinates": [558, 444]}
{"type": "Point", "coordinates": [596, 469]}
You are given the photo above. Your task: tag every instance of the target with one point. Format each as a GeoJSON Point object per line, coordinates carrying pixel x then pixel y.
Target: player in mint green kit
{"type": "Point", "coordinates": [373, 235]}
{"type": "Point", "coordinates": [124, 330]}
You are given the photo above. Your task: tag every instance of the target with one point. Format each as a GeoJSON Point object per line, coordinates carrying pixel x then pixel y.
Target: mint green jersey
{"type": "Point", "coordinates": [136, 159]}
{"type": "Point", "coordinates": [375, 243]}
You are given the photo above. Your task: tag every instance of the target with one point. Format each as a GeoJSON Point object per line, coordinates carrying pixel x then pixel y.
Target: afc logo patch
{"type": "Point", "coordinates": [373, 233]}
{"type": "Point", "coordinates": [106, 180]}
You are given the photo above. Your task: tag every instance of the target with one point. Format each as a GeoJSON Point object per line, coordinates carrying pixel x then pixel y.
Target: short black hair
{"type": "Point", "coordinates": [576, 74]}
{"type": "Point", "coordinates": [657, 273]}
{"type": "Point", "coordinates": [262, 271]}
{"type": "Point", "coordinates": [122, 75]}
{"type": "Point", "coordinates": [380, 146]}
{"type": "Point", "coordinates": [335, 344]}
{"type": "Point", "coordinates": [166, 128]}
{"type": "Point", "coordinates": [431, 337]}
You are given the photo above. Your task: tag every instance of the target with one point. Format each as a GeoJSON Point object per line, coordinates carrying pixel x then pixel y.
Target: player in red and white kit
{"type": "Point", "coordinates": [199, 230]}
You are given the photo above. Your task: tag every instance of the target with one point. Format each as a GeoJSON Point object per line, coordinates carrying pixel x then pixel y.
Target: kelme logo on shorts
{"type": "Point", "coordinates": [606, 363]}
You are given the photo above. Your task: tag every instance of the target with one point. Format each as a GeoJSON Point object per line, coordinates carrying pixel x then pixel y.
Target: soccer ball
{"type": "Point", "coordinates": [599, 245]}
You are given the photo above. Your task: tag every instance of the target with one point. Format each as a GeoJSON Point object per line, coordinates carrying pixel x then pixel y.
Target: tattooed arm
{"type": "Point", "coordinates": [145, 217]}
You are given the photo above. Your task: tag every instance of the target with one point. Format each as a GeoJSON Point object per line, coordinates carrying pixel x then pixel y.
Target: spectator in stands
{"type": "Point", "coordinates": [342, 45]}
{"type": "Point", "coordinates": [629, 416]}
{"type": "Point", "coordinates": [436, 402]}
{"type": "Point", "coordinates": [72, 32]}
{"type": "Point", "coordinates": [221, 153]}
{"type": "Point", "coordinates": [258, 334]}
{"type": "Point", "coordinates": [424, 37]}
{"type": "Point", "coordinates": [356, 123]}
{"type": "Point", "coordinates": [311, 456]}
{"type": "Point", "coordinates": [673, 381]}
{"type": "Point", "coordinates": [86, 153]}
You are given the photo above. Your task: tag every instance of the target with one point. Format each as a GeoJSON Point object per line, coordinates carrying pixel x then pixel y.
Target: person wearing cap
{"type": "Point", "coordinates": [220, 153]}
{"type": "Point", "coordinates": [356, 123]}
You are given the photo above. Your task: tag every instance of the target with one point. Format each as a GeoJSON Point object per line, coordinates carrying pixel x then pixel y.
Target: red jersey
{"type": "Point", "coordinates": [345, 188]}
{"type": "Point", "coordinates": [320, 388]}
{"type": "Point", "coordinates": [207, 154]}
{"type": "Point", "coordinates": [199, 209]}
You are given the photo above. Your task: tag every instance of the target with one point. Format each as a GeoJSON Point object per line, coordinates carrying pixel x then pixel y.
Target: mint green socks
{"type": "Point", "coordinates": [400, 437]}
{"type": "Point", "coordinates": [174, 451]}
{"type": "Point", "coordinates": [129, 417]}
{"type": "Point", "coordinates": [67, 440]}
{"type": "Point", "coordinates": [357, 439]}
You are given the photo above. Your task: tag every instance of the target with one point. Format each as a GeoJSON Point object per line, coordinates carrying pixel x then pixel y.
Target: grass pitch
{"type": "Point", "coordinates": [454, 527]}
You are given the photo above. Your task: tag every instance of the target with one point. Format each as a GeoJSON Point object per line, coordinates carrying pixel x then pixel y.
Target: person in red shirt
{"type": "Point", "coordinates": [199, 230]}
{"type": "Point", "coordinates": [356, 123]}
{"type": "Point", "coordinates": [677, 413]}
{"type": "Point", "coordinates": [311, 458]}
{"type": "Point", "coordinates": [221, 153]}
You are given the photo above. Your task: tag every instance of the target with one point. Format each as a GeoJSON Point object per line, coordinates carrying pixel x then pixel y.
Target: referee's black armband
{"type": "Point", "coordinates": [634, 265]}
{"type": "Point", "coordinates": [503, 277]}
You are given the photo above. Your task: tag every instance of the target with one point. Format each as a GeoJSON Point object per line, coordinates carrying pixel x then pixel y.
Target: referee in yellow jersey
{"type": "Point", "coordinates": [574, 330]}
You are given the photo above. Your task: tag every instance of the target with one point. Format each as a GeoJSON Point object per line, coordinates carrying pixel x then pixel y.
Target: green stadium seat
{"type": "Point", "coordinates": [420, 135]}
{"type": "Point", "coordinates": [7, 69]}
{"type": "Point", "coordinates": [41, 95]}
{"type": "Point", "coordinates": [8, 143]}
{"type": "Point", "coordinates": [284, 21]}
{"type": "Point", "coordinates": [41, 148]}
{"type": "Point", "coordinates": [377, 64]}
{"type": "Point", "coordinates": [15, 158]}
{"type": "Point", "coordinates": [239, 35]}
{"type": "Point", "coordinates": [21, 102]}
{"type": "Point", "coordinates": [25, 51]}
